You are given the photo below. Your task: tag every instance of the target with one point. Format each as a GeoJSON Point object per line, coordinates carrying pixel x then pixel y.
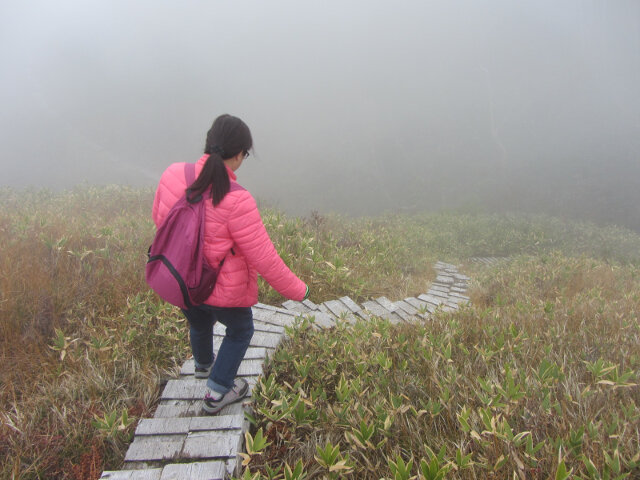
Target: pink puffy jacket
{"type": "Point", "coordinates": [234, 223]}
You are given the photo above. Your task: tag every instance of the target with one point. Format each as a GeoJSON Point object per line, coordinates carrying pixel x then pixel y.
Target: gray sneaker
{"type": "Point", "coordinates": [237, 393]}
{"type": "Point", "coordinates": [204, 372]}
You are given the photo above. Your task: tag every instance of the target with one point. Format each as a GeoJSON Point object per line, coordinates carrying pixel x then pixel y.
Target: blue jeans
{"type": "Point", "coordinates": [239, 323]}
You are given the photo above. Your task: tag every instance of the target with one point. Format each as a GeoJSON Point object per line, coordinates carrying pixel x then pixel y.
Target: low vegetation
{"type": "Point", "coordinates": [538, 377]}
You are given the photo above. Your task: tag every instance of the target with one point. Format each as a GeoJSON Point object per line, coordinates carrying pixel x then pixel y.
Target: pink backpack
{"type": "Point", "coordinates": [177, 269]}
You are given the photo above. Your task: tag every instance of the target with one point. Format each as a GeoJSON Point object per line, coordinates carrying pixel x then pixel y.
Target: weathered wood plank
{"type": "Point", "coordinates": [336, 307]}
{"type": "Point", "coordinates": [340, 310]}
{"type": "Point", "coordinates": [260, 326]}
{"type": "Point", "coordinates": [351, 305]}
{"type": "Point", "coordinates": [188, 388]}
{"type": "Point", "coordinates": [214, 470]}
{"type": "Point", "coordinates": [387, 304]}
{"type": "Point", "coordinates": [436, 293]}
{"type": "Point", "coordinates": [322, 320]}
{"type": "Point", "coordinates": [185, 389]}
{"type": "Point", "coordinates": [376, 309]}
{"type": "Point", "coordinates": [277, 319]}
{"type": "Point", "coordinates": [150, 474]}
{"type": "Point", "coordinates": [266, 339]}
{"type": "Point", "coordinates": [262, 306]}
{"type": "Point", "coordinates": [310, 305]}
{"type": "Point", "coordinates": [440, 288]}
{"type": "Point", "coordinates": [443, 265]}
{"type": "Point", "coordinates": [406, 307]}
{"type": "Point", "coordinates": [250, 368]}
{"type": "Point", "coordinates": [444, 278]}
{"type": "Point", "coordinates": [323, 308]}
{"type": "Point", "coordinates": [163, 426]}
{"type": "Point", "coordinates": [253, 353]}
{"type": "Point", "coordinates": [184, 425]}
{"type": "Point", "coordinates": [421, 305]}
{"type": "Point", "coordinates": [296, 306]}
{"type": "Point", "coordinates": [217, 422]}
{"type": "Point", "coordinates": [193, 408]}
{"type": "Point", "coordinates": [459, 295]}
{"type": "Point", "coordinates": [212, 445]}
{"type": "Point", "coordinates": [430, 299]}
{"type": "Point", "coordinates": [178, 408]}
{"type": "Point", "coordinates": [155, 448]}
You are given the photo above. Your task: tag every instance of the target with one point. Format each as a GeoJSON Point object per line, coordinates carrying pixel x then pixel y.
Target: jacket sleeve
{"type": "Point", "coordinates": [253, 241]}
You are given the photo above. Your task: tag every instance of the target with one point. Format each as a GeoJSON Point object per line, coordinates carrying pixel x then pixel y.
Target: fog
{"type": "Point", "coordinates": [355, 106]}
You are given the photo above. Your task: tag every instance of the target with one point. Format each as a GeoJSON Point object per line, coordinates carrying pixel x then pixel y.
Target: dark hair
{"type": "Point", "coordinates": [227, 137]}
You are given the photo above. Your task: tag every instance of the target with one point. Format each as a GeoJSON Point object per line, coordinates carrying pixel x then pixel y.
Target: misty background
{"type": "Point", "coordinates": [357, 107]}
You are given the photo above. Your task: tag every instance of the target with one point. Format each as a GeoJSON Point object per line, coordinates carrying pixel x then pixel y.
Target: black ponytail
{"type": "Point", "coordinates": [227, 137]}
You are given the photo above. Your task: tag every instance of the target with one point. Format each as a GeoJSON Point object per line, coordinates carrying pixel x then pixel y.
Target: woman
{"type": "Point", "coordinates": [234, 233]}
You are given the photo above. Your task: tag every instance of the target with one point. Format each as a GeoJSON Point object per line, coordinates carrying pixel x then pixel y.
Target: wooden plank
{"type": "Point", "coordinates": [188, 388]}
{"type": "Point", "coordinates": [376, 309]}
{"type": "Point", "coordinates": [184, 425]}
{"type": "Point", "coordinates": [430, 299]}
{"type": "Point", "coordinates": [277, 319]}
{"type": "Point", "coordinates": [260, 326]}
{"type": "Point", "coordinates": [441, 288]}
{"type": "Point", "coordinates": [253, 353]}
{"type": "Point", "coordinates": [321, 320]}
{"type": "Point", "coordinates": [155, 448]}
{"type": "Point", "coordinates": [217, 422]}
{"type": "Point", "coordinates": [406, 307]}
{"type": "Point", "coordinates": [459, 295]}
{"type": "Point", "coordinates": [193, 408]}
{"type": "Point", "coordinates": [163, 426]}
{"type": "Point", "coordinates": [351, 305]}
{"type": "Point", "coordinates": [436, 293]}
{"type": "Point", "coordinates": [212, 445]}
{"type": "Point", "coordinates": [310, 305]}
{"type": "Point", "coordinates": [387, 304]}
{"type": "Point", "coordinates": [294, 306]}
{"type": "Point", "coordinates": [263, 306]}
{"type": "Point", "coordinates": [149, 474]}
{"type": "Point", "coordinates": [185, 389]}
{"type": "Point", "coordinates": [443, 265]}
{"type": "Point", "coordinates": [178, 408]}
{"type": "Point", "coordinates": [214, 470]}
{"type": "Point", "coordinates": [340, 310]}
{"type": "Point", "coordinates": [265, 339]}
{"type": "Point", "coordinates": [336, 307]}
{"type": "Point", "coordinates": [421, 305]}
{"type": "Point", "coordinates": [446, 279]}
{"type": "Point", "coordinates": [404, 315]}
{"type": "Point", "coordinates": [250, 368]}
{"type": "Point", "coordinates": [323, 308]}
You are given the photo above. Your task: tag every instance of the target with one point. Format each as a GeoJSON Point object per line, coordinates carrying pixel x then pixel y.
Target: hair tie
{"type": "Point", "coordinates": [219, 150]}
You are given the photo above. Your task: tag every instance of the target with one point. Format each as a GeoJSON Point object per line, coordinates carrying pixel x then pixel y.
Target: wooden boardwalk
{"type": "Point", "coordinates": [181, 443]}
